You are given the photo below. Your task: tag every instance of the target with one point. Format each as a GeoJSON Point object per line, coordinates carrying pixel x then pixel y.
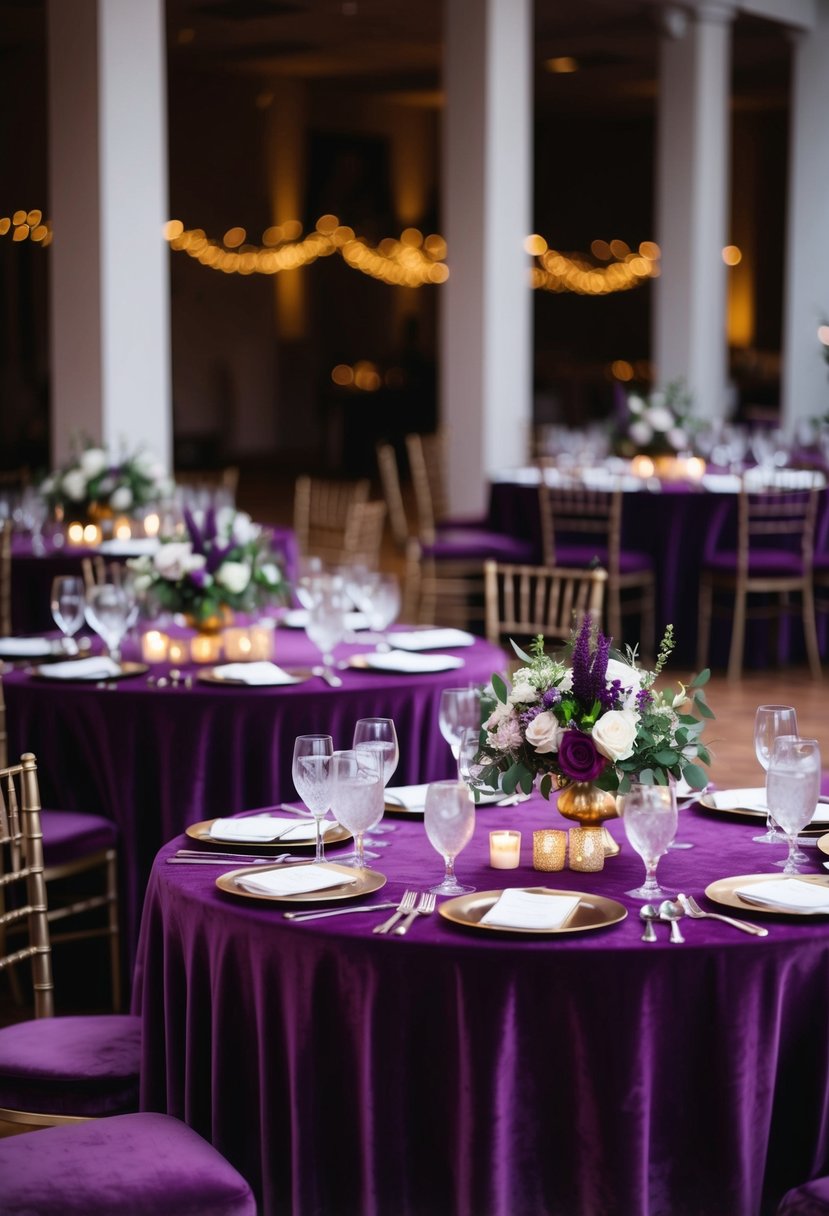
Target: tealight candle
{"type": "Point", "coordinates": [177, 651]}
{"type": "Point", "coordinates": [154, 646]}
{"type": "Point", "coordinates": [549, 849]}
{"type": "Point", "coordinates": [92, 534]}
{"type": "Point", "coordinates": [504, 850]}
{"type": "Point", "coordinates": [261, 641]}
{"type": "Point", "coordinates": [152, 523]}
{"type": "Point", "coordinates": [122, 528]}
{"type": "Point", "coordinates": [238, 645]}
{"type": "Point", "coordinates": [74, 534]}
{"type": "Point", "coordinates": [586, 849]}
{"type": "Point", "coordinates": [206, 648]}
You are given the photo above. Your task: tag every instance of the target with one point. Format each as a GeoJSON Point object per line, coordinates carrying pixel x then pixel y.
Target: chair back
{"type": "Point", "coordinates": [21, 877]}
{"type": "Point", "coordinates": [5, 578]}
{"type": "Point", "coordinates": [393, 494]}
{"type": "Point", "coordinates": [96, 571]}
{"type": "Point", "coordinates": [321, 509]}
{"type": "Point", "coordinates": [427, 466]}
{"type": "Point", "coordinates": [584, 516]}
{"type": "Point", "coordinates": [778, 511]}
{"type": "Point", "coordinates": [522, 601]}
{"type": "Point", "coordinates": [363, 535]}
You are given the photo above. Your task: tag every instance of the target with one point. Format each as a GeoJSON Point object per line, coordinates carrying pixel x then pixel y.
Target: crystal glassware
{"type": "Point", "coordinates": [378, 737]}
{"type": "Point", "coordinates": [68, 603]}
{"type": "Point", "coordinates": [311, 772]}
{"type": "Point", "coordinates": [650, 819]}
{"type": "Point", "coordinates": [470, 767]}
{"type": "Point", "coordinates": [769, 722]}
{"type": "Point", "coordinates": [107, 612]}
{"type": "Point", "coordinates": [460, 709]}
{"type": "Point", "coordinates": [357, 797]}
{"type": "Point", "coordinates": [326, 622]}
{"type": "Point", "coordinates": [449, 819]}
{"type": "Point", "coordinates": [792, 789]}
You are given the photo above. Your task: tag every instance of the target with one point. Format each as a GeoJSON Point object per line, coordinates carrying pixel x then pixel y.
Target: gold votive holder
{"type": "Point", "coordinates": [92, 534]}
{"type": "Point", "coordinates": [549, 849]}
{"type": "Point", "coordinates": [504, 850]}
{"type": "Point", "coordinates": [154, 646]}
{"type": "Point", "coordinates": [74, 534]}
{"type": "Point", "coordinates": [178, 651]}
{"type": "Point", "coordinates": [206, 648]}
{"type": "Point", "coordinates": [238, 645]}
{"type": "Point", "coordinates": [586, 849]}
{"type": "Point", "coordinates": [261, 641]}
{"type": "Point", "coordinates": [122, 528]}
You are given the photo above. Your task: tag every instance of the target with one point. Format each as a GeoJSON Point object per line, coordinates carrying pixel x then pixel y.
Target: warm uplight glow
{"type": "Point", "coordinates": [621, 369]}
{"type": "Point", "coordinates": [535, 245]}
{"type": "Point", "coordinates": [732, 255]}
{"type": "Point", "coordinates": [562, 65]}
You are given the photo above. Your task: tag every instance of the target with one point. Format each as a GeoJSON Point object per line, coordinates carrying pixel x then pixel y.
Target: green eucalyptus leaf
{"type": "Point", "coordinates": [500, 689]}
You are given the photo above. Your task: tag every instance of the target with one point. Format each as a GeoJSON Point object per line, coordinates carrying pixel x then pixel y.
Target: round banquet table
{"type": "Point", "coordinates": [461, 1072]}
{"type": "Point", "coordinates": [156, 759]}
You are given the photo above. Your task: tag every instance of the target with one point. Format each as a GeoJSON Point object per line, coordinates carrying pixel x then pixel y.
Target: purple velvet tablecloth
{"type": "Point", "coordinates": [157, 759]}
{"type": "Point", "coordinates": [457, 1072]}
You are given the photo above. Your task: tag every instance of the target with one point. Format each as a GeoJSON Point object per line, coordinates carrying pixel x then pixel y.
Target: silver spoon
{"type": "Point", "coordinates": [649, 913]}
{"type": "Point", "coordinates": [671, 912]}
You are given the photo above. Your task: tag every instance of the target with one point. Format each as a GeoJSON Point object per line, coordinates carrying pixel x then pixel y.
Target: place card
{"type": "Point", "coordinates": [519, 909]}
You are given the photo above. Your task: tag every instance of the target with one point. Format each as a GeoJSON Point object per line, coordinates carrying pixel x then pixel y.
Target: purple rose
{"type": "Point", "coordinates": [578, 758]}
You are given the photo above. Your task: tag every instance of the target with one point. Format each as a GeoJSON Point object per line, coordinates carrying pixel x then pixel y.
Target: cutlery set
{"type": "Point", "coordinates": [670, 911]}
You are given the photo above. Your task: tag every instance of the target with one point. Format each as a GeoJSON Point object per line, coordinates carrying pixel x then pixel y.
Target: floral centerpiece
{"type": "Point", "coordinates": [656, 425]}
{"type": "Point", "coordinates": [600, 721]}
{"type": "Point", "coordinates": [96, 478]}
{"type": "Point", "coordinates": [225, 564]}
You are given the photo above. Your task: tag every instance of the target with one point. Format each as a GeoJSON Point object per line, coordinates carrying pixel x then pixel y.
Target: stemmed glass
{"type": "Point", "coordinates": [311, 772]}
{"type": "Point", "coordinates": [449, 819]}
{"type": "Point", "coordinates": [769, 722]}
{"type": "Point", "coordinates": [460, 709]}
{"type": "Point", "coordinates": [326, 624]}
{"type": "Point", "coordinates": [357, 801]}
{"type": "Point", "coordinates": [68, 604]}
{"type": "Point", "coordinates": [377, 736]}
{"type": "Point", "coordinates": [650, 819]}
{"type": "Point", "coordinates": [470, 767]}
{"type": "Point", "coordinates": [792, 788]}
{"type": "Point", "coordinates": [107, 611]}
{"type": "Point", "coordinates": [384, 607]}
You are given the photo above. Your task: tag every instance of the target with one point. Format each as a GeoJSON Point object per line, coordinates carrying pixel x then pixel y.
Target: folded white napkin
{"type": "Point", "coordinates": [754, 799]}
{"type": "Point", "coordinates": [410, 797]}
{"type": "Point", "coordinates": [788, 893]}
{"type": "Point", "coordinates": [29, 648]}
{"type": "Point", "coordinates": [100, 667]}
{"type": "Point", "coordinates": [400, 660]}
{"type": "Point", "coordinates": [131, 546]}
{"type": "Point", "coordinates": [433, 639]}
{"type": "Point", "coordinates": [266, 827]}
{"type": "Point", "coordinates": [518, 909]}
{"type": "Point", "coordinates": [297, 618]}
{"type": "Point", "coordinates": [294, 880]}
{"type": "Point", "coordinates": [260, 672]}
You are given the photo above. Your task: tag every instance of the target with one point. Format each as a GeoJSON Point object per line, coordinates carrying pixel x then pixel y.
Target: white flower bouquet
{"type": "Point", "coordinates": [656, 425]}
{"type": "Point", "coordinates": [98, 478]}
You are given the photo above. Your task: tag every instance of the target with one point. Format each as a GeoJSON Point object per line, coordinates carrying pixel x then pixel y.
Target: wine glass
{"type": "Point", "coordinates": [68, 603]}
{"type": "Point", "coordinates": [311, 772]}
{"type": "Point", "coordinates": [650, 819]}
{"type": "Point", "coordinates": [107, 611]}
{"type": "Point", "coordinates": [460, 708]}
{"type": "Point", "coordinates": [470, 767]}
{"type": "Point", "coordinates": [449, 819]}
{"type": "Point", "coordinates": [357, 797]}
{"type": "Point", "coordinates": [769, 722]}
{"type": "Point", "coordinates": [378, 736]}
{"type": "Point", "coordinates": [792, 788]}
{"type": "Point", "coordinates": [384, 607]}
{"type": "Point", "coordinates": [326, 624]}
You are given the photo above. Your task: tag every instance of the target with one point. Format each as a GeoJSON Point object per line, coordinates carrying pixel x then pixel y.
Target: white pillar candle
{"type": "Point", "coordinates": [504, 850]}
{"type": "Point", "coordinates": [154, 646]}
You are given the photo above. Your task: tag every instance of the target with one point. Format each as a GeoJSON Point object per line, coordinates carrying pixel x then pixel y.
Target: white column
{"type": "Point", "coordinates": [486, 322]}
{"type": "Point", "coordinates": [108, 184]}
{"type": "Point", "coordinates": [692, 203]}
{"type": "Point", "coordinates": [804, 383]}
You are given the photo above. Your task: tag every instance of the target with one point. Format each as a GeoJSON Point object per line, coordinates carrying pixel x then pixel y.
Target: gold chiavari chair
{"type": "Point", "coordinates": [5, 579]}
{"type": "Point", "coordinates": [405, 541]}
{"type": "Point", "coordinates": [523, 601]}
{"type": "Point", "coordinates": [321, 507]}
{"type": "Point", "coordinates": [363, 534]}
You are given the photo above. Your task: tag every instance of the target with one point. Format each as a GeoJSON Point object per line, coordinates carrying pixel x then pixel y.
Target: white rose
{"type": "Point", "coordinates": [93, 461]}
{"type": "Point", "coordinates": [628, 676]}
{"type": "Point", "coordinates": [677, 438]}
{"type": "Point", "coordinates": [74, 485]}
{"type": "Point", "coordinates": [660, 418]}
{"type": "Point", "coordinates": [175, 559]}
{"type": "Point", "coordinates": [499, 714]}
{"type": "Point", "coordinates": [615, 732]}
{"type": "Point", "coordinates": [640, 432]}
{"type": "Point", "coordinates": [522, 694]}
{"type": "Point", "coordinates": [635, 404]}
{"type": "Point", "coordinates": [543, 732]}
{"type": "Point", "coordinates": [243, 529]}
{"type": "Point", "coordinates": [233, 576]}
{"type": "Point", "coordinates": [121, 499]}
{"type": "Point", "coordinates": [269, 574]}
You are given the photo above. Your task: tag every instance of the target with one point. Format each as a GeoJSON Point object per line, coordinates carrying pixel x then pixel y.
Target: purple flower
{"type": "Point", "coordinates": [551, 697]}
{"type": "Point", "coordinates": [590, 666]}
{"type": "Point", "coordinates": [194, 532]}
{"type": "Point", "coordinates": [197, 577]}
{"type": "Point", "coordinates": [578, 758]}
{"type": "Point", "coordinates": [644, 699]}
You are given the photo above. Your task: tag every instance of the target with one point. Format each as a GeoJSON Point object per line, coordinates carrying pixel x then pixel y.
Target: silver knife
{"type": "Point", "coordinates": [337, 911]}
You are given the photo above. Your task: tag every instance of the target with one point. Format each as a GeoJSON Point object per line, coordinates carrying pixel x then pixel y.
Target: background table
{"type": "Point", "coordinates": [156, 759]}
{"type": "Point", "coordinates": [462, 1073]}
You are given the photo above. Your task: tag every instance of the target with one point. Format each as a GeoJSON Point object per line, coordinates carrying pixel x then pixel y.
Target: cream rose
{"type": "Point", "coordinates": [543, 732]}
{"type": "Point", "coordinates": [74, 485]}
{"type": "Point", "coordinates": [176, 559]}
{"type": "Point", "coordinates": [234, 576]}
{"type": "Point", "coordinates": [93, 461]}
{"type": "Point", "coordinates": [615, 733]}
{"type": "Point", "coordinates": [121, 499]}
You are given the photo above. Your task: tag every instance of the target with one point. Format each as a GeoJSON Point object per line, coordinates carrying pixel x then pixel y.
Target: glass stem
{"type": "Point", "coordinates": [449, 874]}
{"type": "Point", "coordinates": [358, 850]}
{"type": "Point", "coordinates": [319, 854]}
{"type": "Point", "coordinates": [650, 876]}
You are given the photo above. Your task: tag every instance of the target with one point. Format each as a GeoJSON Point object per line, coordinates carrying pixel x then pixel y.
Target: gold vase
{"type": "Point", "coordinates": [589, 806]}
{"type": "Point", "coordinates": [210, 624]}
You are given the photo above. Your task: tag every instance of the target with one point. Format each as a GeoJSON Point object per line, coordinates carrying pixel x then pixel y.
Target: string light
{"type": "Point", "coordinates": [27, 226]}
{"type": "Point", "coordinates": [575, 272]}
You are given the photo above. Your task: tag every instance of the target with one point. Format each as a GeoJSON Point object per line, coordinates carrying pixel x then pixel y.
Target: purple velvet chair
{"type": "Point", "coordinates": [135, 1165]}
{"type": "Point", "coordinates": [52, 1069]}
{"type": "Point", "coordinates": [810, 1199]}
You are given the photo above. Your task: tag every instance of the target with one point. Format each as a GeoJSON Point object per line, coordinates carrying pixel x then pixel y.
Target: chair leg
{"type": "Point", "coordinates": [114, 930]}
{"type": "Point", "coordinates": [738, 636]}
{"type": "Point", "coordinates": [706, 593]}
{"type": "Point", "coordinates": [810, 633]}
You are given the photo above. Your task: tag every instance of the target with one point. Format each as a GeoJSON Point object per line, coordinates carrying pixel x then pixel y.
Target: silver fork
{"type": "Point", "coordinates": [693, 910]}
{"type": "Point", "coordinates": [425, 907]}
{"type": "Point", "coordinates": [406, 904]}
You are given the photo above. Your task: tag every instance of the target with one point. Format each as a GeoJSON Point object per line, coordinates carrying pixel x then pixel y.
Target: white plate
{"type": "Point", "coordinates": [402, 662]}
{"type": "Point", "coordinates": [432, 639]}
{"type": "Point", "coordinates": [135, 546]}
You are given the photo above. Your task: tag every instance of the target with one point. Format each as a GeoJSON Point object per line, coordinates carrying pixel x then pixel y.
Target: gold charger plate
{"type": "Point", "coordinates": [593, 912]}
{"type": "Point", "coordinates": [299, 674]}
{"type": "Point", "coordinates": [724, 891]}
{"type": "Point", "coordinates": [744, 812]}
{"type": "Point", "coordinates": [823, 843]}
{"type": "Point", "coordinates": [368, 662]}
{"type": "Point", "coordinates": [366, 882]}
{"type": "Point", "coordinates": [201, 832]}
{"type": "Point", "coordinates": [124, 672]}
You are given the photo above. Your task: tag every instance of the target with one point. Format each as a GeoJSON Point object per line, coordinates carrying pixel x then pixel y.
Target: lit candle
{"type": "Point", "coordinates": [92, 534]}
{"type": "Point", "coordinates": [178, 651]}
{"type": "Point", "coordinates": [206, 648]}
{"type": "Point", "coordinates": [586, 849]}
{"type": "Point", "coordinates": [154, 645]}
{"type": "Point", "coordinates": [151, 524]}
{"type": "Point", "coordinates": [74, 534]}
{"type": "Point", "coordinates": [695, 468]}
{"type": "Point", "coordinates": [261, 641]}
{"type": "Point", "coordinates": [549, 849]}
{"type": "Point", "coordinates": [642, 466]}
{"type": "Point", "coordinates": [504, 850]}
{"type": "Point", "coordinates": [237, 644]}
{"type": "Point", "coordinates": [122, 528]}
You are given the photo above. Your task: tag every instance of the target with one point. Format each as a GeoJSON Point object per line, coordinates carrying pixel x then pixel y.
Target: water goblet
{"type": "Point", "coordinates": [470, 768]}
{"type": "Point", "coordinates": [449, 819]}
{"type": "Point", "coordinates": [769, 722]}
{"type": "Point", "coordinates": [326, 624]}
{"type": "Point", "coordinates": [68, 601]}
{"type": "Point", "coordinates": [650, 820]}
{"type": "Point", "coordinates": [311, 773]}
{"type": "Point", "coordinates": [107, 611]}
{"type": "Point", "coordinates": [792, 789]}
{"type": "Point", "coordinates": [384, 607]}
{"type": "Point", "coordinates": [460, 709]}
{"type": "Point", "coordinates": [378, 736]}
{"type": "Point", "coordinates": [357, 797]}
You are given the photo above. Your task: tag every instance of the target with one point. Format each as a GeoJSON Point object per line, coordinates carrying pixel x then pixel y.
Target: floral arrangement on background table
{"type": "Point", "coordinates": [599, 721]}
{"type": "Point", "coordinates": [657, 425]}
{"type": "Point", "coordinates": [225, 564]}
{"type": "Point", "coordinates": [99, 479]}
